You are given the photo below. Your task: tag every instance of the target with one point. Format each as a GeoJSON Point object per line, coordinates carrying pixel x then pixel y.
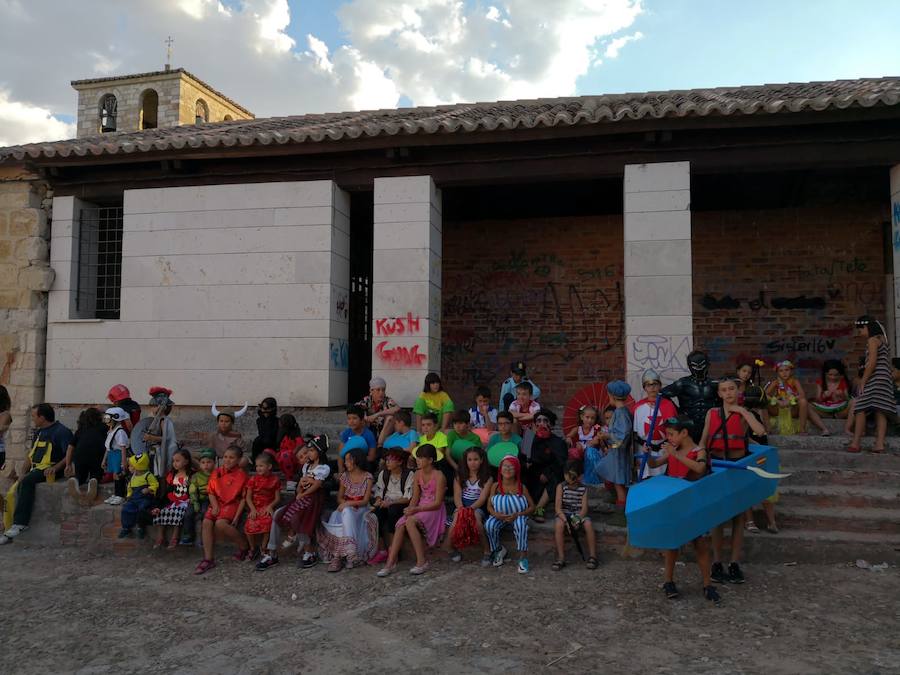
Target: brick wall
{"type": "Point", "coordinates": [786, 283]}
{"type": "Point", "coordinates": [545, 290]}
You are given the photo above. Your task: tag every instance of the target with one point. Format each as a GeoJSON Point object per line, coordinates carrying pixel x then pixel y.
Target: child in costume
{"type": "Point", "coordinates": [120, 397]}
{"type": "Point", "coordinates": [517, 374]}
{"type": "Point", "coordinates": [724, 436]}
{"type": "Point", "coordinates": [425, 518]}
{"type": "Point", "coordinates": [266, 427]}
{"type": "Point", "coordinates": [788, 407]}
{"type": "Point", "coordinates": [199, 499]}
{"type": "Point", "coordinates": [226, 491]}
{"type": "Point", "coordinates": [350, 535]}
{"type": "Point", "coordinates": [404, 436]}
{"type": "Point", "coordinates": [301, 517]}
{"type": "Point", "coordinates": [832, 391]}
{"type": "Point", "coordinates": [176, 500]}
{"type": "Point", "coordinates": [509, 505]}
{"type": "Point", "coordinates": [471, 487]}
{"type": "Point", "coordinates": [683, 459]}
{"type": "Point", "coordinates": [142, 488]}
{"type": "Point", "coordinates": [483, 415]}
{"type": "Point", "coordinates": [290, 439]}
{"type": "Point", "coordinates": [356, 426]}
{"type": "Point", "coordinates": [434, 400]}
{"type": "Point", "coordinates": [616, 465]}
{"type": "Point", "coordinates": [263, 495]}
{"type": "Point", "coordinates": [644, 419]}
{"type": "Point", "coordinates": [586, 434]}
{"type": "Point", "coordinates": [116, 455]}
{"type": "Point", "coordinates": [392, 494]}
{"type": "Point", "coordinates": [225, 434]}
{"type": "Point", "coordinates": [524, 408]}
{"type": "Point", "coordinates": [572, 516]}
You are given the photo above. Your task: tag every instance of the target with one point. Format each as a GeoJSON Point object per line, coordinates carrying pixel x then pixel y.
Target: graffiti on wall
{"type": "Point", "coordinates": [760, 301]}
{"type": "Point", "coordinates": [398, 325]}
{"type": "Point", "coordinates": [895, 224]}
{"type": "Point", "coordinates": [664, 354]}
{"type": "Point", "coordinates": [400, 355]}
{"type": "Point", "coordinates": [339, 351]}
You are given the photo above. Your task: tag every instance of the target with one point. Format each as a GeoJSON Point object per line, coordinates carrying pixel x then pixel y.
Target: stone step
{"type": "Point", "coordinates": [835, 442]}
{"type": "Point", "coordinates": [803, 475]}
{"type": "Point", "coordinates": [839, 519]}
{"type": "Point", "coordinates": [837, 458]}
{"type": "Point", "coordinates": [837, 496]}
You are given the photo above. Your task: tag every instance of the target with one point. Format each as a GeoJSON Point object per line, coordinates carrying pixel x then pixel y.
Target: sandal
{"type": "Point", "coordinates": [751, 526]}
{"type": "Point", "coordinates": [204, 566]}
{"type": "Point", "coordinates": [877, 451]}
{"type": "Point", "coordinates": [853, 448]}
{"type": "Point", "coordinates": [538, 515]}
{"type": "Point", "coordinates": [158, 543]}
{"type": "Point", "coordinates": [173, 543]}
{"type": "Point", "coordinates": [335, 565]}
{"type": "Point", "coordinates": [826, 433]}
{"type": "Point", "coordinates": [241, 554]}
{"type": "Point", "coordinates": [558, 565]}
{"type": "Point", "coordinates": [592, 563]}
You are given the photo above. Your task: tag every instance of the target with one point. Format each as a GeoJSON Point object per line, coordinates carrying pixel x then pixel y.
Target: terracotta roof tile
{"type": "Point", "coordinates": [493, 116]}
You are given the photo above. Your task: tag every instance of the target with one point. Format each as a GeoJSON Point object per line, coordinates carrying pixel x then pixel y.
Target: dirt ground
{"type": "Point", "coordinates": [68, 611]}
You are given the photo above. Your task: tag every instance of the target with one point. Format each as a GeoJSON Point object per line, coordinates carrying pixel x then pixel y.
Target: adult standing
{"type": "Point", "coordinates": [876, 386]}
{"type": "Point", "coordinates": [88, 446]}
{"type": "Point", "coordinates": [45, 463]}
{"type": "Point", "coordinates": [380, 410]}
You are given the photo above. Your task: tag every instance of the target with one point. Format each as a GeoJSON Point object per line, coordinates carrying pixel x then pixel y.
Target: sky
{"type": "Point", "coordinates": [289, 57]}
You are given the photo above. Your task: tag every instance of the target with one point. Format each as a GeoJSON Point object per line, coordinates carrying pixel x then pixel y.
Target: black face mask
{"type": "Point", "coordinates": [698, 364]}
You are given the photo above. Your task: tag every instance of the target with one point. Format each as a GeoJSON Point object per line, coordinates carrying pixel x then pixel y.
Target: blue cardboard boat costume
{"type": "Point", "coordinates": [666, 513]}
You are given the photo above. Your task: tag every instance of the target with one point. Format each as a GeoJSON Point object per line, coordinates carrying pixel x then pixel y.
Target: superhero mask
{"type": "Point", "coordinates": [698, 364]}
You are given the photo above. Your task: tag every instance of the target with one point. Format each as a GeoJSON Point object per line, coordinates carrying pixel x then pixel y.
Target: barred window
{"type": "Point", "coordinates": [99, 263]}
{"type": "Point", "coordinates": [108, 109]}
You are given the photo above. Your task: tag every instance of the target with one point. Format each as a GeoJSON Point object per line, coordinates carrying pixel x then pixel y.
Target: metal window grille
{"type": "Point", "coordinates": [99, 263]}
{"type": "Point", "coordinates": [108, 111]}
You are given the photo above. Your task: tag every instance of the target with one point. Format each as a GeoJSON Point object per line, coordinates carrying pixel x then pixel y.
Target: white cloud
{"type": "Point", "coordinates": [429, 51]}
{"type": "Point", "coordinates": [615, 45]}
{"type": "Point", "coordinates": [22, 123]}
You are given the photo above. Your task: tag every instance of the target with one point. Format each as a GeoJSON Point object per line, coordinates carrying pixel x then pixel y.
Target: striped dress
{"type": "Point", "coordinates": [505, 505]}
{"type": "Point", "coordinates": [878, 394]}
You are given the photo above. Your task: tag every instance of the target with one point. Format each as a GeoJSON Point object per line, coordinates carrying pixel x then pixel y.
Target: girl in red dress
{"type": "Point", "coordinates": [263, 495]}
{"type": "Point", "coordinates": [226, 490]}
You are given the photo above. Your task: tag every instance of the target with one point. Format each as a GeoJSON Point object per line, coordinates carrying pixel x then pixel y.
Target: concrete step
{"type": "Point", "coordinates": [837, 458]}
{"type": "Point", "coordinates": [837, 496]}
{"type": "Point", "coordinates": [835, 442]}
{"type": "Point", "coordinates": [839, 519]}
{"type": "Point", "coordinates": [803, 475]}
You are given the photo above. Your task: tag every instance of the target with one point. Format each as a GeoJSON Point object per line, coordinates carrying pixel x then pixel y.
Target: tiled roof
{"type": "Point", "coordinates": [768, 99]}
{"type": "Point", "coordinates": [161, 73]}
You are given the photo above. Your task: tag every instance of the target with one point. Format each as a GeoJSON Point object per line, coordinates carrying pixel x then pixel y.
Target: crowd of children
{"type": "Point", "coordinates": [457, 477]}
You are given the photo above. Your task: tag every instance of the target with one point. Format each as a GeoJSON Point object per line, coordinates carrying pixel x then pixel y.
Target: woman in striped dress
{"type": "Point", "coordinates": [509, 505]}
{"type": "Point", "coordinates": [876, 387]}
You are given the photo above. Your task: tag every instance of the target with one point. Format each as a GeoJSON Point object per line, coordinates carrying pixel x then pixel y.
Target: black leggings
{"type": "Point", "coordinates": [388, 517]}
{"type": "Point", "coordinates": [84, 471]}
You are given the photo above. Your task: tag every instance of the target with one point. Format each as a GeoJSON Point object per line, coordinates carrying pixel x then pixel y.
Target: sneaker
{"type": "Point", "coordinates": [671, 590]}
{"type": "Point", "coordinates": [455, 556]}
{"type": "Point", "coordinates": [288, 542]}
{"type": "Point", "coordinates": [141, 533]}
{"type": "Point", "coordinates": [380, 557]}
{"type": "Point", "coordinates": [15, 531]}
{"type": "Point", "coordinates": [4, 539]}
{"type": "Point", "coordinates": [486, 560]}
{"type": "Point", "coordinates": [718, 573]}
{"type": "Point", "coordinates": [109, 500]}
{"type": "Point", "coordinates": [186, 541]}
{"type": "Point", "coordinates": [419, 569]}
{"type": "Point", "coordinates": [499, 556]}
{"type": "Point", "coordinates": [125, 533]}
{"type": "Point", "coordinates": [711, 594]}
{"type": "Point", "coordinates": [523, 566]}
{"type": "Point", "coordinates": [115, 500]}
{"type": "Point", "coordinates": [266, 562]}
{"type": "Point", "coordinates": [311, 561]}
{"type": "Point", "coordinates": [735, 576]}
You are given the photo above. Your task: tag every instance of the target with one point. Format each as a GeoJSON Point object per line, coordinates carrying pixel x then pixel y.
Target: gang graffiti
{"type": "Point", "coordinates": [400, 355]}
{"type": "Point", "coordinates": [408, 325]}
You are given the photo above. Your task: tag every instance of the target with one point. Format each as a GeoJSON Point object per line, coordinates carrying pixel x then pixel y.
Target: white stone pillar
{"type": "Point", "coordinates": [893, 317]}
{"type": "Point", "coordinates": [406, 291]}
{"type": "Point", "coordinates": [658, 302]}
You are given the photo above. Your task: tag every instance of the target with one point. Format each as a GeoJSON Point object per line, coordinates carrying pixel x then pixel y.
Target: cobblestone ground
{"type": "Point", "coordinates": [68, 611]}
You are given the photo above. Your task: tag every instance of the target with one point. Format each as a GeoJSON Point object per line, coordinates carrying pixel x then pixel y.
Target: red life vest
{"type": "Point", "coordinates": [676, 469]}
{"type": "Point", "coordinates": [732, 437]}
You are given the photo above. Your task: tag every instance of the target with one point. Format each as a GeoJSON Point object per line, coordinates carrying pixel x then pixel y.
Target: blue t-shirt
{"type": "Point", "coordinates": [405, 440]}
{"type": "Point", "coordinates": [366, 435]}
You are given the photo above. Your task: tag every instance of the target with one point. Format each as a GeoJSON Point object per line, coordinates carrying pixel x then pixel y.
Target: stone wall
{"type": "Point", "coordinates": [25, 278]}
{"type": "Point", "coordinates": [218, 107]}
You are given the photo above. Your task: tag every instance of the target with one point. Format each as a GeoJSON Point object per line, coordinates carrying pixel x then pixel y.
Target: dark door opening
{"type": "Point", "coordinates": [360, 319]}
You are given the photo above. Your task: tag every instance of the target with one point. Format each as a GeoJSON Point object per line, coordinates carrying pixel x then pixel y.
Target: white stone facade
{"type": "Point", "coordinates": [231, 292]}
{"type": "Point", "coordinates": [406, 293]}
{"type": "Point", "coordinates": [658, 300]}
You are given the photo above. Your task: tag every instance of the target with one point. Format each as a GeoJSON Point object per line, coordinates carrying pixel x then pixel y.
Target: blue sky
{"type": "Point", "coordinates": [288, 57]}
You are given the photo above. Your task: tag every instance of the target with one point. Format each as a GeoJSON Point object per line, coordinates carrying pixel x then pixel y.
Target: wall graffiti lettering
{"type": "Point", "coordinates": [895, 219]}
{"type": "Point", "coordinates": [408, 325]}
{"type": "Point", "coordinates": [831, 268]}
{"type": "Point", "coordinates": [400, 355]}
{"type": "Point", "coordinates": [339, 352]}
{"type": "Point", "coordinates": [666, 355]}
{"type": "Point", "coordinates": [799, 344]}
{"type": "Point", "coordinates": [342, 306]}
{"type": "Point", "coordinates": [727, 302]}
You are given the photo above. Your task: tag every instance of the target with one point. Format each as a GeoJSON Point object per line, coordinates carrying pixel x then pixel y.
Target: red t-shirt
{"type": "Point", "coordinates": [676, 469]}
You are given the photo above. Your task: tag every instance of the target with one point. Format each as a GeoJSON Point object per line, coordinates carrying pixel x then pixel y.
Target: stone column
{"type": "Point", "coordinates": [658, 301]}
{"type": "Point", "coordinates": [25, 277]}
{"type": "Point", "coordinates": [406, 297]}
{"type": "Point", "coordinates": [893, 314]}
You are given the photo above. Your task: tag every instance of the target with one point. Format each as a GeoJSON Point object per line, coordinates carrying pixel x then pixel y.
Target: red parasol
{"type": "Point", "coordinates": [591, 394]}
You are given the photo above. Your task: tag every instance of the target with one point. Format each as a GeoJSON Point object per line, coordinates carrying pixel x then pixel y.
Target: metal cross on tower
{"type": "Point", "coordinates": [169, 42]}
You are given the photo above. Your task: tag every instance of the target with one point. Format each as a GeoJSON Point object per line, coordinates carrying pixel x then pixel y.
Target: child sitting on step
{"type": "Point", "coordinates": [788, 407]}
{"type": "Point", "coordinates": [509, 505]}
{"type": "Point", "coordinates": [226, 490]}
{"type": "Point", "coordinates": [572, 516]}
{"type": "Point", "coordinates": [142, 488]}
{"type": "Point", "coordinates": [683, 459]}
{"type": "Point", "coordinates": [199, 499]}
{"type": "Point", "coordinates": [471, 486]}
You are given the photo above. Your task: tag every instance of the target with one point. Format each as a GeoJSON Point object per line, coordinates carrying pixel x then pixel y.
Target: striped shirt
{"type": "Point", "coordinates": [471, 492]}
{"type": "Point", "coordinates": [572, 497]}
